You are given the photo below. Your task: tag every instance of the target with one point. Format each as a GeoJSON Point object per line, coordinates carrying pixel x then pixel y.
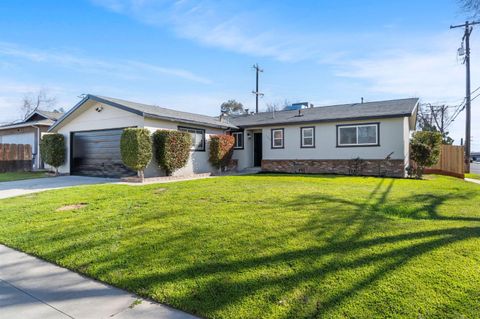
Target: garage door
{"type": "Point", "coordinates": [97, 153]}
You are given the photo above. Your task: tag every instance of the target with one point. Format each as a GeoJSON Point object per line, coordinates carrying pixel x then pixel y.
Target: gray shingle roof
{"type": "Point", "coordinates": [164, 113]}
{"type": "Point", "coordinates": [51, 115]}
{"type": "Point", "coordinates": [45, 122]}
{"type": "Point", "coordinates": [356, 111]}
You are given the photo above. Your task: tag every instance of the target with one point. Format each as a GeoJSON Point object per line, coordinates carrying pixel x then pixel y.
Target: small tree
{"type": "Point", "coordinates": [52, 150]}
{"type": "Point", "coordinates": [232, 107]}
{"type": "Point", "coordinates": [136, 149]}
{"type": "Point", "coordinates": [425, 150]}
{"type": "Point", "coordinates": [221, 150]}
{"type": "Point", "coordinates": [171, 149]}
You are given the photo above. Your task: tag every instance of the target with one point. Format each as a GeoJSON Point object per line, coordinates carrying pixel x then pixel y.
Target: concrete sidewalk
{"type": "Point", "coordinates": [471, 180]}
{"type": "Point", "coordinates": [33, 288]}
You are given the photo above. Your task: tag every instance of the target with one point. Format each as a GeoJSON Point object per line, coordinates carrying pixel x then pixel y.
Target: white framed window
{"type": "Point", "coordinates": [358, 135]}
{"type": "Point", "coordinates": [307, 137]}
{"type": "Point", "coordinates": [277, 138]}
{"type": "Point", "coordinates": [238, 140]}
{"type": "Point", "coordinates": [198, 137]}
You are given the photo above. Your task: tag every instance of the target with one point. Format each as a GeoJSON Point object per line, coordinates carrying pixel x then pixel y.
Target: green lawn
{"type": "Point", "coordinates": [269, 246]}
{"type": "Point", "coordinates": [16, 176]}
{"type": "Point", "coordinates": [471, 175]}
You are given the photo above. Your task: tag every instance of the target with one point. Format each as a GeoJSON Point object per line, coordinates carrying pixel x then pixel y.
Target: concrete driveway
{"type": "Point", "coordinates": [33, 288]}
{"type": "Point", "coordinates": [28, 186]}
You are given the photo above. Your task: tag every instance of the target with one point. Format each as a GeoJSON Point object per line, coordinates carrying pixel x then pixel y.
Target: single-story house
{"type": "Point", "coordinates": [29, 131]}
{"type": "Point", "coordinates": [371, 137]}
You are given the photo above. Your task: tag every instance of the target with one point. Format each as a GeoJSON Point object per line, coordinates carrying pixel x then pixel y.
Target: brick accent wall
{"type": "Point", "coordinates": [392, 168]}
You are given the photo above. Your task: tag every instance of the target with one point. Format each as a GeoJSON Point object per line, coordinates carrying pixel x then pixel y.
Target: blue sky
{"type": "Point", "coordinates": [193, 55]}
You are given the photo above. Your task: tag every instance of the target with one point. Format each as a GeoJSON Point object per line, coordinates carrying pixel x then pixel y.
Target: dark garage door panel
{"type": "Point", "coordinates": [97, 153]}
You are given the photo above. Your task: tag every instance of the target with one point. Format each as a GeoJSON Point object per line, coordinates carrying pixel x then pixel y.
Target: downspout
{"type": "Point", "coordinates": [37, 147]}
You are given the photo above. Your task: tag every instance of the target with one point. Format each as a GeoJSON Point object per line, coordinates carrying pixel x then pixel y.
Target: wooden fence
{"type": "Point", "coordinates": [451, 162]}
{"type": "Point", "coordinates": [15, 157]}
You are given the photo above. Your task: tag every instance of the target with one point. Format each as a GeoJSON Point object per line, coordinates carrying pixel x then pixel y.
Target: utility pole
{"type": "Point", "coordinates": [468, 100]}
{"type": "Point", "coordinates": [256, 92]}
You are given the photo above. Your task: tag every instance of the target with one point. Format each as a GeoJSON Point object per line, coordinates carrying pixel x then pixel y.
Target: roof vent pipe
{"type": "Point", "coordinates": [362, 99]}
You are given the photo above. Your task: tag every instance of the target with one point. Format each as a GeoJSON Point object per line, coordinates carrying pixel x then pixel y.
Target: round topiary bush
{"type": "Point", "coordinates": [53, 150]}
{"type": "Point", "coordinates": [136, 149]}
{"type": "Point", "coordinates": [171, 149]}
{"type": "Point", "coordinates": [221, 150]}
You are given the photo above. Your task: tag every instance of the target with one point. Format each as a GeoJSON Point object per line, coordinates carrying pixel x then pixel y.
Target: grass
{"type": "Point", "coordinates": [473, 176]}
{"type": "Point", "coordinates": [16, 176]}
{"type": "Point", "coordinates": [268, 246]}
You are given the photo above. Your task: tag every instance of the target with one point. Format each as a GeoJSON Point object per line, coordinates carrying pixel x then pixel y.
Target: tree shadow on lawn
{"type": "Point", "coordinates": [212, 285]}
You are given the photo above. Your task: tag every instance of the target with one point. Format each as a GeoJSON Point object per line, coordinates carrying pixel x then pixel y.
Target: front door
{"type": "Point", "coordinates": [257, 149]}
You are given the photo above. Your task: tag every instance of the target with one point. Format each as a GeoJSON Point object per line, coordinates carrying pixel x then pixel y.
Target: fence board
{"type": "Point", "coordinates": [15, 157]}
{"type": "Point", "coordinates": [451, 161]}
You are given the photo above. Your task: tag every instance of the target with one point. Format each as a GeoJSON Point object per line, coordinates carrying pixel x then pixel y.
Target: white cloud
{"type": "Point", "coordinates": [215, 24]}
{"type": "Point", "coordinates": [126, 69]}
{"type": "Point", "coordinates": [430, 71]}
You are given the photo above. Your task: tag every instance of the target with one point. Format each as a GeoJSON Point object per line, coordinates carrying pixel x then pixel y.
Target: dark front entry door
{"type": "Point", "coordinates": [97, 153]}
{"type": "Point", "coordinates": [257, 149]}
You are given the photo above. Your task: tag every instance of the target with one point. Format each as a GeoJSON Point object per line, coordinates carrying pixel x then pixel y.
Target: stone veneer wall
{"type": "Point", "coordinates": [393, 168]}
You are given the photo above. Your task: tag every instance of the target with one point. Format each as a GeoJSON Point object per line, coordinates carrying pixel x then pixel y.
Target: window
{"type": "Point", "coordinates": [198, 137]}
{"type": "Point", "coordinates": [307, 138]}
{"type": "Point", "coordinates": [238, 140]}
{"type": "Point", "coordinates": [358, 135]}
{"type": "Point", "coordinates": [277, 138]}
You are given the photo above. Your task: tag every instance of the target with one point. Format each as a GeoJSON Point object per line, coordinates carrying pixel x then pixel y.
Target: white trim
{"type": "Point", "coordinates": [302, 132]}
{"type": "Point", "coordinates": [237, 146]}
{"type": "Point", "coordinates": [281, 139]}
{"type": "Point", "coordinates": [357, 126]}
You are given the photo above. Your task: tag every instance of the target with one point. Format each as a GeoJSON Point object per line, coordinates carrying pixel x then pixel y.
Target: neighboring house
{"type": "Point", "coordinates": [29, 131]}
{"type": "Point", "coordinates": [312, 140]}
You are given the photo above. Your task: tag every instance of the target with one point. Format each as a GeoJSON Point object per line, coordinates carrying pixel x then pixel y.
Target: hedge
{"type": "Point", "coordinates": [221, 150]}
{"type": "Point", "coordinates": [171, 149]}
{"type": "Point", "coordinates": [136, 149]}
{"type": "Point", "coordinates": [53, 150]}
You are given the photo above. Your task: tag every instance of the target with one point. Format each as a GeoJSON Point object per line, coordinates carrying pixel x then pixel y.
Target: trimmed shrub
{"type": "Point", "coordinates": [221, 150]}
{"type": "Point", "coordinates": [171, 149]}
{"type": "Point", "coordinates": [53, 150]}
{"type": "Point", "coordinates": [425, 150]}
{"type": "Point", "coordinates": [136, 149]}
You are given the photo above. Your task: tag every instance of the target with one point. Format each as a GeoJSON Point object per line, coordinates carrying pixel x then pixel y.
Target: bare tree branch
{"type": "Point", "coordinates": [470, 6]}
{"type": "Point", "coordinates": [40, 100]}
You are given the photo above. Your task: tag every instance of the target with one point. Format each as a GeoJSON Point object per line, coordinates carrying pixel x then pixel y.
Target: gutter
{"type": "Point", "coordinates": [323, 120]}
{"type": "Point", "coordinates": [173, 119]}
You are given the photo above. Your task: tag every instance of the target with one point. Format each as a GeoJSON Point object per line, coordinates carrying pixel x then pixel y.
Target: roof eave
{"type": "Point", "coordinates": [324, 120]}
{"type": "Point", "coordinates": [173, 119]}
{"type": "Point", "coordinates": [26, 124]}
